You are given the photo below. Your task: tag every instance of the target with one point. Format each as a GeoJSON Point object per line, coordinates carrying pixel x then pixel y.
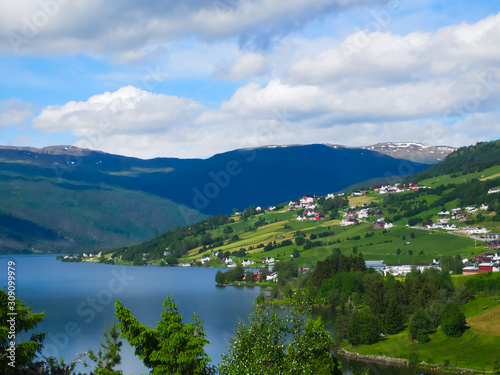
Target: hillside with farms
{"type": "Point", "coordinates": [414, 222]}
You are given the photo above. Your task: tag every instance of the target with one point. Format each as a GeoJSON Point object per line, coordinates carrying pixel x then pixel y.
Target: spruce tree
{"type": "Point", "coordinates": [394, 320]}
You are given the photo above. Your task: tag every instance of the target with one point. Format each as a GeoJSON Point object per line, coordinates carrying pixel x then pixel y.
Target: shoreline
{"type": "Point", "coordinates": [401, 362]}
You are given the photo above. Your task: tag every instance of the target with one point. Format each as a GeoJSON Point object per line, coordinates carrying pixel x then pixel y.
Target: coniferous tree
{"type": "Point", "coordinates": [108, 355]}
{"type": "Point", "coordinates": [173, 347]}
{"type": "Point", "coordinates": [25, 351]}
{"type": "Point", "coordinates": [394, 320]}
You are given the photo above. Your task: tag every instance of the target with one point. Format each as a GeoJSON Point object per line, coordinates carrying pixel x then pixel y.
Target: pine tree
{"type": "Point", "coordinates": [172, 347]}
{"type": "Point", "coordinates": [108, 355]}
{"type": "Point", "coordinates": [394, 321]}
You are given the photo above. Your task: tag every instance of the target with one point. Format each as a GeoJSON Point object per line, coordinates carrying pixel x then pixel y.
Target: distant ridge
{"type": "Point", "coordinates": [413, 151]}
{"type": "Point", "coordinates": [92, 199]}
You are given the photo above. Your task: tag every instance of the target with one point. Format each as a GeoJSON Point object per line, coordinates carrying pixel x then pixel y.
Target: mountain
{"type": "Point", "coordinates": [466, 160]}
{"type": "Point", "coordinates": [417, 152]}
{"type": "Point", "coordinates": [253, 234]}
{"type": "Point", "coordinates": [81, 199]}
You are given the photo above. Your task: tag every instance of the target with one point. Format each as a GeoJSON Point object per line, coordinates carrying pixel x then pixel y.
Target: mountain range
{"type": "Point", "coordinates": [67, 199]}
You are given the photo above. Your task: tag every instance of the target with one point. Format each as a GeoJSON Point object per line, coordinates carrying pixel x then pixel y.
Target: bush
{"type": "Point", "coordinates": [453, 321]}
{"type": "Point", "coordinates": [363, 329]}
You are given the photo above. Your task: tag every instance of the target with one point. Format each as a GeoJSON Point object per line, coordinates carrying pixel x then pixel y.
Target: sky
{"type": "Point", "coordinates": [193, 78]}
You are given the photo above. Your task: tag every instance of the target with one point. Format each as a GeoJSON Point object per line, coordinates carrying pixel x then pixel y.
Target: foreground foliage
{"type": "Point", "coordinates": [274, 344]}
{"type": "Point", "coordinates": [172, 347]}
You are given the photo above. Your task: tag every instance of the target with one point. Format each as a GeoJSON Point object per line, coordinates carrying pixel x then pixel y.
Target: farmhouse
{"type": "Point", "coordinates": [477, 230]}
{"type": "Point", "coordinates": [349, 221]}
{"type": "Point", "coordinates": [470, 270]}
{"type": "Point", "coordinates": [404, 269]}
{"type": "Point", "coordinates": [491, 236]}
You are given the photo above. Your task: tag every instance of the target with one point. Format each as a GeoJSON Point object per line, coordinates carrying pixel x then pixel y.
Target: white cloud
{"type": "Point", "coordinates": [15, 112]}
{"type": "Point", "coordinates": [60, 26]}
{"type": "Point", "coordinates": [247, 65]}
{"type": "Point", "coordinates": [439, 88]}
{"type": "Point", "coordinates": [127, 112]}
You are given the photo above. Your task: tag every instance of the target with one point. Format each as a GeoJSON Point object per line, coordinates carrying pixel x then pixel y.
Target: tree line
{"type": "Point", "coordinates": [270, 343]}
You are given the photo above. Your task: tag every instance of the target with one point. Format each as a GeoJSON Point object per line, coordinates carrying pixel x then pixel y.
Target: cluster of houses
{"type": "Point", "coordinates": [354, 216]}
{"type": "Point", "coordinates": [308, 207]}
{"type": "Point", "coordinates": [485, 262]}
{"type": "Point", "coordinates": [459, 214]}
{"type": "Point", "coordinates": [398, 188]}
{"type": "Point", "coordinates": [90, 255]}
{"type": "Point", "coordinates": [397, 269]}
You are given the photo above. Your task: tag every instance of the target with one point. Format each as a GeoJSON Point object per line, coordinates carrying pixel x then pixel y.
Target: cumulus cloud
{"type": "Point", "coordinates": [57, 26]}
{"type": "Point", "coordinates": [246, 66]}
{"type": "Point", "coordinates": [15, 112]}
{"type": "Point", "coordinates": [126, 113]}
{"type": "Point", "coordinates": [439, 88]}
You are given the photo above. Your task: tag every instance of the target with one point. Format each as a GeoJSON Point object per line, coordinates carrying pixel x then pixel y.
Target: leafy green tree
{"type": "Point", "coordinates": [108, 355]}
{"type": "Point", "coordinates": [287, 270]}
{"type": "Point", "coordinates": [263, 274]}
{"type": "Point", "coordinates": [364, 328]}
{"type": "Point", "coordinates": [394, 319]}
{"type": "Point", "coordinates": [10, 326]}
{"type": "Point", "coordinates": [419, 326]}
{"type": "Point", "coordinates": [300, 240]}
{"type": "Point", "coordinates": [249, 277]}
{"type": "Point", "coordinates": [453, 321]}
{"type": "Point", "coordinates": [172, 347]}
{"type": "Point", "coordinates": [273, 344]}
{"type": "Point", "coordinates": [237, 273]}
{"type": "Point", "coordinates": [220, 277]}
{"type": "Point", "coordinates": [295, 253]}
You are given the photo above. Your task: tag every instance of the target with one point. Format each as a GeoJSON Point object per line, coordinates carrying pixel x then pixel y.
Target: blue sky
{"type": "Point", "coordinates": [194, 78]}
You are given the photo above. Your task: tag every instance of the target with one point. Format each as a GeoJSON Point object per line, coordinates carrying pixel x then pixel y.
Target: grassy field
{"type": "Point", "coordinates": [486, 174]}
{"type": "Point", "coordinates": [462, 279]}
{"type": "Point", "coordinates": [477, 348]}
{"type": "Point", "coordinates": [375, 244]}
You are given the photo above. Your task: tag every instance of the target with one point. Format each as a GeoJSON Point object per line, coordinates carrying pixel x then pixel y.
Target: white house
{"type": "Point", "coordinates": [404, 269]}
{"type": "Point", "coordinates": [247, 262]}
{"type": "Point", "coordinates": [493, 191]}
{"type": "Point", "coordinates": [273, 276]}
{"type": "Point", "coordinates": [228, 260]}
{"type": "Point", "coordinates": [388, 225]}
{"type": "Point", "coordinates": [478, 230]}
{"type": "Point", "coordinates": [348, 222]}
{"type": "Point", "coordinates": [443, 226]}
{"type": "Point", "coordinates": [471, 209]}
{"type": "Point", "coordinates": [484, 207]}
{"type": "Point", "coordinates": [444, 213]}
{"type": "Point", "coordinates": [301, 218]}
{"type": "Point", "coordinates": [205, 259]}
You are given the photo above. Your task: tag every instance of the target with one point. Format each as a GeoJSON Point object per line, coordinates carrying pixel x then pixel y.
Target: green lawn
{"type": "Point", "coordinates": [472, 350]}
{"type": "Point", "coordinates": [446, 179]}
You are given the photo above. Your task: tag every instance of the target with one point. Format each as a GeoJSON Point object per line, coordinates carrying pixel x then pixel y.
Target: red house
{"type": "Point", "coordinates": [485, 267]}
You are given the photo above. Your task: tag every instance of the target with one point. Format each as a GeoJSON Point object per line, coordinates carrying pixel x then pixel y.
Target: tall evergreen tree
{"type": "Point", "coordinates": [394, 319]}
{"type": "Point", "coordinates": [376, 298]}
{"type": "Point", "coordinates": [108, 355]}
{"type": "Point", "coordinates": [172, 347]}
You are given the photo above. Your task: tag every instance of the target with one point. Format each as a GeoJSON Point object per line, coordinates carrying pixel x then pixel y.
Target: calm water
{"type": "Point", "coordinates": [79, 298]}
